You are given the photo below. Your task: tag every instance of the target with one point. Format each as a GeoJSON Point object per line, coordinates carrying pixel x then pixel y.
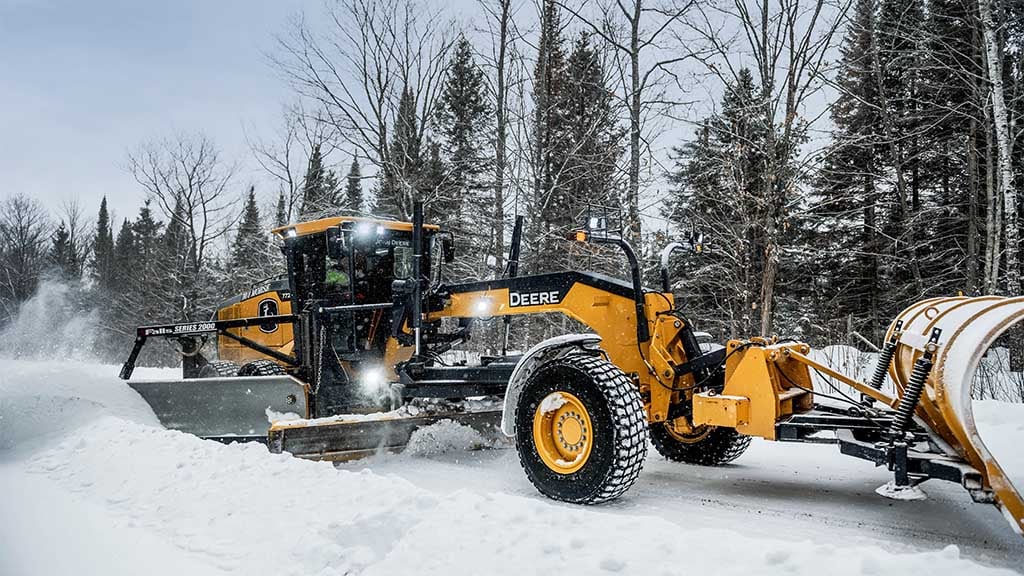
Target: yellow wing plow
{"type": "Point", "coordinates": [926, 429]}
{"type": "Point", "coordinates": [969, 327]}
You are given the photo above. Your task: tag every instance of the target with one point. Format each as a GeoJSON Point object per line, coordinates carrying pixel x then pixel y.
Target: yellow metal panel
{"type": "Point", "coordinates": [776, 385]}
{"type": "Point", "coordinates": [720, 410]}
{"type": "Point", "coordinates": [611, 316]}
{"type": "Point", "coordinates": [280, 339]}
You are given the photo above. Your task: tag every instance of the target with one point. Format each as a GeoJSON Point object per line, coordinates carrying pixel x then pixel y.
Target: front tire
{"type": "Point", "coordinates": [261, 368]}
{"type": "Point", "coordinates": [581, 431]}
{"type": "Point", "coordinates": [219, 369]}
{"type": "Point", "coordinates": [703, 445]}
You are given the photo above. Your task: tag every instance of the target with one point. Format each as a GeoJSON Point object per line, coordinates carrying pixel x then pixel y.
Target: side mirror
{"type": "Point", "coordinates": [336, 247]}
{"type": "Point", "coordinates": [448, 248]}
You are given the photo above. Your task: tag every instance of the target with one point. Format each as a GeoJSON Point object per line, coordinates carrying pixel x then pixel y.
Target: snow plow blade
{"type": "Point", "coordinates": [969, 326]}
{"type": "Point", "coordinates": [356, 436]}
{"type": "Point", "coordinates": [238, 408]}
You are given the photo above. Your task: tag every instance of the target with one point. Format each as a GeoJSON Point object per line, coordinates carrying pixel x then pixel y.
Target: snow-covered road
{"type": "Point", "coordinates": [88, 485]}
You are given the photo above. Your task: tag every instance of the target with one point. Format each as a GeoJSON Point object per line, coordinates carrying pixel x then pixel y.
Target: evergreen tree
{"type": "Point", "coordinates": [318, 189]}
{"type": "Point", "coordinates": [147, 234]}
{"type": "Point", "coordinates": [281, 217]}
{"type": "Point", "coordinates": [593, 139]}
{"type": "Point", "coordinates": [464, 200]}
{"type": "Point", "coordinates": [401, 182]}
{"type": "Point", "coordinates": [950, 111]}
{"type": "Point", "coordinates": [718, 181]}
{"type": "Point", "coordinates": [435, 189]}
{"type": "Point", "coordinates": [126, 256]}
{"type": "Point", "coordinates": [850, 196]}
{"type": "Point", "coordinates": [63, 257]}
{"type": "Point", "coordinates": [463, 122]}
{"type": "Point", "coordinates": [549, 196]}
{"type": "Point", "coordinates": [103, 250]}
{"type": "Point", "coordinates": [249, 251]}
{"type": "Point", "coordinates": [899, 42]}
{"type": "Point", "coordinates": [353, 196]}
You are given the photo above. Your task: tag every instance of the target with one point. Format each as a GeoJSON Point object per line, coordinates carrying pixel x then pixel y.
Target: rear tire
{"type": "Point", "coordinates": [219, 369]}
{"type": "Point", "coordinates": [261, 368]}
{"type": "Point", "coordinates": [605, 441]}
{"type": "Point", "coordinates": [706, 446]}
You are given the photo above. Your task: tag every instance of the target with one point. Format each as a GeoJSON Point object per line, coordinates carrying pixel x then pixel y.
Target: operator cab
{"type": "Point", "coordinates": [344, 272]}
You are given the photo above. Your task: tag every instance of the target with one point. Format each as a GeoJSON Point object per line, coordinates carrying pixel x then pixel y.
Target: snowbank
{"type": "Point", "coordinates": [246, 511]}
{"type": "Point", "coordinates": [115, 483]}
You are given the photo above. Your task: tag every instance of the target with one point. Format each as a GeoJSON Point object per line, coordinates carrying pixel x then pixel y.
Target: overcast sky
{"type": "Point", "coordinates": [81, 82]}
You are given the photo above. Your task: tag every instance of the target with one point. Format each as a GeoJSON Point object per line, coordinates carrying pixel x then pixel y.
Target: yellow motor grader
{"type": "Point", "coordinates": [346, 356]}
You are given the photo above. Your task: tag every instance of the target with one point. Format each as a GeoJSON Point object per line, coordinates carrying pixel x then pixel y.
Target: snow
{"type": "Point", "coordinates": [98, 488]}
{"type": "Point", "coordinates": [275, 416]}
{"type": "Point", "coordinates": [905, 493]}
{"type": "Point", "coordinates": [416, 407]}
{"type": "Point", "coordinates": [552, 402]}
{"type": "Point", "coordinates": [1001, 427]}
{"type": "Point", "coordinates": [444, 436]}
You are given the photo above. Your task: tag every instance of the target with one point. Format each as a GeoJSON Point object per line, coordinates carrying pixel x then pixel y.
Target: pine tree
{"type": "Point", "coordinates": [463, 121]}
{"type": "Point", "coordinates": [103, 250]}
{"type": "Point", "coordinates": [898, 45]}
{"type": "Point", "coordinates": [549, 196]}
{"type": "Point", "coordinates": [464, 201]}
{"type": "Point", "coordinates": [126, 255]}
{"type": "Point", "coordinates": [718, 181]}
{"type": "Point", "coordinates": [850, 195]}
{"type": "Point", "coordinates": [318, 189]}
{"type": "Point", "coordinates": [147, 234]}
{"type": "Point", "coordinates": [63, 257]}
{"type": "Point", "coordinates": [950, 109]}
{"type": "Point", "coordinates": [401, 185]}
{"type": "Point", "coordinates": [249, 251]}
{"type": "Point", "coordinates": [593, 139]}
{"type": "Point", "coordinates": [353, 195]}
{"type": "Point", "coordinates": [281, 217]}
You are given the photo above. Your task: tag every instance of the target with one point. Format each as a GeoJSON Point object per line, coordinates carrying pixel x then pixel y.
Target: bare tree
{"type": "Point", "coordinates": [499, 16]}
{"type": "Point", "coordinates": [357, 69]}
{"type": "Point", "coordinates": [189, 182]}
{"type": "Point", "coordinates": [76, 225]}
{"type": "Point", "coordinates": [24, 231]}
{"type": "Point", "coordinates": [645, 36]}
{"type": "Point", "coordinates": [286, 157]}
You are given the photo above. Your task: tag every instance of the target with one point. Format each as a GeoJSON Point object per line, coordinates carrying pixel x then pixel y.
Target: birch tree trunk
{"type": "Point", "coordinates": [993, 220]}
{"type": "Point", "coordinates": [1000, 119]}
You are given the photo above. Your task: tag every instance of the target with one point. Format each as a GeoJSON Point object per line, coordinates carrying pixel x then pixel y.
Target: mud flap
{"type": "Point", "coordinates": [225, 409]}
{"type": "Point", "coordinates": [355, 436]}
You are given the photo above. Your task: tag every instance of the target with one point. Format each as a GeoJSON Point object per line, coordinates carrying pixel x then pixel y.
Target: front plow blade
{"type": "Point", "coordinates": [225, 409]}
{"type": "Point", "coordinates": [969, 327]}
{"type": "Point", "coordinates": [355, 436]}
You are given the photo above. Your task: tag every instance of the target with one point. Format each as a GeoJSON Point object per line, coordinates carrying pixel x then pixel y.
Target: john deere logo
{"type": "Point", "coordinates": [268, 307]}
{"type": "Point", "coordinates": [516, 299]}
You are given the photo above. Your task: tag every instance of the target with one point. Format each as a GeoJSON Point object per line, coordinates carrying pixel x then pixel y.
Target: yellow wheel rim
{"type": "Point", "coordinates": [562, 432]}
{"type": "Point", "coordinates": [682, 431]}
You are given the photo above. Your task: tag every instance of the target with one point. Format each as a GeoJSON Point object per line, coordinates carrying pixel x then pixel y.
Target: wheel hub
{"type": "Point", "coordinates": [572, 431]}
{"type": "Point", "coordinates": [562, 432]}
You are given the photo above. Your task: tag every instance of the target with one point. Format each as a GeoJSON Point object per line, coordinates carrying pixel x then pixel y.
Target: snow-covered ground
{"type": "Point", "coordinates": [90, 485]}
{"type": "Point", "coordinates": [1001, 427]}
